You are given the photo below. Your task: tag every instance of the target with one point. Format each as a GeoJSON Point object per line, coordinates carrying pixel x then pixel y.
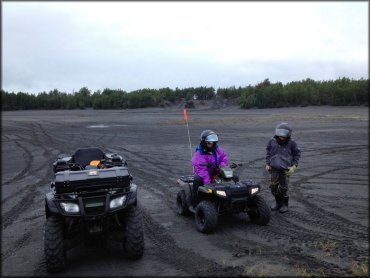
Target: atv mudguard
{"type": "Point", "coordinates": [205, 189]}
{"type": "Point", "coordinates": [133, 196]}
{"type": "Point", "coordinates": [187, 187]}
{"type": "Point", "coordinates": [50, 207]}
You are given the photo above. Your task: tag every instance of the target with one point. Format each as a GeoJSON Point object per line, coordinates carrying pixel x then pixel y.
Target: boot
{"type": "Point", "coordinates": [284, 207]}
{"type": "Point", "coordinates": [278, 204]}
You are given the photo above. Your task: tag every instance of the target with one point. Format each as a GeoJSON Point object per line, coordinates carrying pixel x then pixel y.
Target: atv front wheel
{"type": "Point", "coordinates": [182, 207]}
{"type": "Point", "coordinates": [55, 252]}
{"type": "Point", "coordinates": [259, 210]}
{"type": "Point", "coordinates": [206, 217]}
{"type": "Point", "coordinates": [134, 237]}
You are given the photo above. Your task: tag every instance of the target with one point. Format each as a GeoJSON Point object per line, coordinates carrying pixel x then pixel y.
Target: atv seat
{"type": "Point", "coordinates": [83, 156]}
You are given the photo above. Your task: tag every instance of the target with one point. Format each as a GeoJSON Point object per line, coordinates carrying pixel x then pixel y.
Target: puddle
{"type": "Point", "coordinates": [103, 126]}
{"type": "Point", "coordinates": [97, 126]}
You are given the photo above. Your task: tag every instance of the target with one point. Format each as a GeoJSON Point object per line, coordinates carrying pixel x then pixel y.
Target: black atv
{"type": "Point", "coordinates": [226, 194]}
{"type": "Point", "coordinates": [92, 199]}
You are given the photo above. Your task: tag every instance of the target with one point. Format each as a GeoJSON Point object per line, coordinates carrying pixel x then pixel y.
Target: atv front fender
{"type": "Point", "coordinates": [205, 189]}
{"type": "Point", "coordinates": [187, 187]}
{"type": "Point", "coordinates": [50, 207]}
{"type": "Point", "coordinates": [133, 195]}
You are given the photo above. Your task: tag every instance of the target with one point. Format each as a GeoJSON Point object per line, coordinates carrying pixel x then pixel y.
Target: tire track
{"type": "Point", "coordinates": [29, 191]}
{"type": "Point", "coordinates": [335, 222]}
{"type": "Point", "coordinates": [25, 170]}
{"type": "Point", "coordinates": [294, 243]}
{"type": "Point", "coordinates": [18, 244]}
{"type": "Point", "coordinates": [158, 163]}
{"type": "Point", "coordinates": [28, 188]}
{"type": "Point", "coordinates": [22, 204]}
{"type": "Point", "coordinates": [320, 217]}
{"type": "Point", "coordinates": [183, 259]}
{"type": "Point", "coordinates": [51, 139]}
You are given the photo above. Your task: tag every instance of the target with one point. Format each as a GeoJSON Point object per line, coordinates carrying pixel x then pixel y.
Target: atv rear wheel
{"type": "Point", "coordinates": [182, 207]}
{"type": "Point", "coordinates": [206, 217]}
{"type": "Point", "coordinates": [134, 237]}
{"type": "Point", "coordinates": [54, 249]}
{"type": "Point", "coordinates": [259, 210]}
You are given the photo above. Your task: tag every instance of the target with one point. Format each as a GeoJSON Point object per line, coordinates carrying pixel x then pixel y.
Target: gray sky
{"type": "Point", "coordinates": [136, 45]}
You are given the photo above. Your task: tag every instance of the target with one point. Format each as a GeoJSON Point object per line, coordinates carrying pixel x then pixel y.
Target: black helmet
{"type": "Point", "coordinates": [208, 136]}
{"type": "Point", "coordinates": [283, 129]}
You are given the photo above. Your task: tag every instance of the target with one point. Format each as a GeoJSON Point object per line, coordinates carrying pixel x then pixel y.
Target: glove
{"type": "Point", "coordinates": [291, 170]}
{"type": "Point", "coordinates": [268, 167]}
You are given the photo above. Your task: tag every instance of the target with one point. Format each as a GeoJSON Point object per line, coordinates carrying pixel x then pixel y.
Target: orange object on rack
{"type": "Point", "coordinates": [95, 163]}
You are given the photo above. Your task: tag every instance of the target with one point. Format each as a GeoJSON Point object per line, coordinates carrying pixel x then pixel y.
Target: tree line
{"type": "Point", "coordinates": [342, 91]}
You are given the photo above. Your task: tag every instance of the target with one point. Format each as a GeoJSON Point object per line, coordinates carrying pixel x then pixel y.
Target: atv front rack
{"type": "Point", "coordinates": [91, 180]}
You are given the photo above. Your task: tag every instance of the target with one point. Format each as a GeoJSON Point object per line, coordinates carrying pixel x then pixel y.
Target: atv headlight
{"type": "Point", "coordinates": [70, 207]}
{"type": "Point", "coordinates": [221, 193]}
{"type": "Point", "coordinates": [254, 190]}
{"type": "Point", "coordinates": [117, 202]}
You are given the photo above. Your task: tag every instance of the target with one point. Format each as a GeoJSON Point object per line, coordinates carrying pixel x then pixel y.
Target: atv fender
{"type": "Point", "coordinates": [205, 193]}
{"type": "Point", "coordinates": [205, 189]}
{"type": "Point", "coordinates": [187, 187]}
{"type": "Point", "coordinates": [132, 196]}
{"type": "Point", "coordinates": [50, 207]}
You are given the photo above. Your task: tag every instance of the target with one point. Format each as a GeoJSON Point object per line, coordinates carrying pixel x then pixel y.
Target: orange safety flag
{"type": "Point", "coordinates": [185, 115]}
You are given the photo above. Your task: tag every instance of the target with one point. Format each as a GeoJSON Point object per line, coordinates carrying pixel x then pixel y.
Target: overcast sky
{"type": "Point", "coordinates": [136, 45]}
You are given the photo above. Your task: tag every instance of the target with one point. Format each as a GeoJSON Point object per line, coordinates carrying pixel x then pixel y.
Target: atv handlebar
{"type": "Point", "coordinates": [212, 165]}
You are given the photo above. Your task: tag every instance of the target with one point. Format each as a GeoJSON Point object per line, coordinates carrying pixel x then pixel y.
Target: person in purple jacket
{"type": "Point", "coordinates": [208, 157]}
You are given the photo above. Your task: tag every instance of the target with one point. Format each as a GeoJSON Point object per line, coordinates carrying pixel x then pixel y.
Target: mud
{"type": "Point", "coordinates": [326, 231]}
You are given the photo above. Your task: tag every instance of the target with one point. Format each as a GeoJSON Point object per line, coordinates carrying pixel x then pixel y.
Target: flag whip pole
{"type": "Point", "coordinates": [187, 126]}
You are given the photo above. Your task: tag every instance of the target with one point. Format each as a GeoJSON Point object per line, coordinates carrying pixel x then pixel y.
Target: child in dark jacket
{"type": "Point", "coordinates": [282, 156]}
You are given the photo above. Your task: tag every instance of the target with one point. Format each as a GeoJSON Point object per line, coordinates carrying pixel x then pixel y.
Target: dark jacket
{"type": "Point", "coordinates": [282, 156]}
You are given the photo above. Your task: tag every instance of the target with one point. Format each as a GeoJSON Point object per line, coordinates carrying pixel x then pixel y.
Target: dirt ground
{"type": "Point", "coordinates": [326, 231]}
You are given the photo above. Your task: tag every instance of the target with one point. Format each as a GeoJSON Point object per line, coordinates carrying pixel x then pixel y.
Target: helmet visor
{"type": "Point", "coordinates": [282, 132]}
{"type": "Point", "coordinates": [211, 138]}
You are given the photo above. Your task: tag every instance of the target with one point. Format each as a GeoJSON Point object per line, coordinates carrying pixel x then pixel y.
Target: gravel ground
{"type": "Point", "coordinates": [326, 231]}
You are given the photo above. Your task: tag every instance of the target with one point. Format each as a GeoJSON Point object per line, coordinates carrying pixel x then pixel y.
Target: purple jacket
{"type": "Point", "coordinates": [202, 158]}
